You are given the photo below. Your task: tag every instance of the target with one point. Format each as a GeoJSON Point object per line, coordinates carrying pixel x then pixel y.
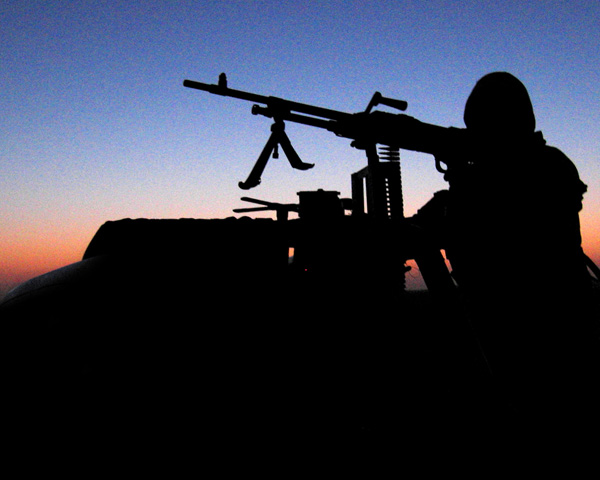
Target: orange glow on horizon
{"type": "Point", "coordinates": [28, 257]}
{"type": "Point", "coordinates": [29, 254]}
{"type": "Point", "coordinates": [590, 233]}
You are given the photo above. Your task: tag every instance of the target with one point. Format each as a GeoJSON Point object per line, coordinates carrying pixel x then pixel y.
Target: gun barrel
{"type": "Point", "coordinates": [225, 91]}
{"type": "Point", "coordinates": [275, 104]}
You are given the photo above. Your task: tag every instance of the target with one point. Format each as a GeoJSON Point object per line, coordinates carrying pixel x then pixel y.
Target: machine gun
{"type": "Point", "coordinates": [384, 195]}
{"type": "Point", "coordinates": [377, 134]}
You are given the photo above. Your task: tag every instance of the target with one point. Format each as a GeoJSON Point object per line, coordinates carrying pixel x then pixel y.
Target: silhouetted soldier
{"type": "Point", "coordinates": [509, 223]}
{"type": "Point", "coordinates": [512, 235]}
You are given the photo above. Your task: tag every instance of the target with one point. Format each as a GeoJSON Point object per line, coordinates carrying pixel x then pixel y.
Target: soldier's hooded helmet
{"type": "Point", "coordinates": [499, 104]}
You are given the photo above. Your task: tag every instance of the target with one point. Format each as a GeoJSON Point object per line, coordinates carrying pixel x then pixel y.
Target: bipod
{"type": "Point", "coordinates": [278, 137]}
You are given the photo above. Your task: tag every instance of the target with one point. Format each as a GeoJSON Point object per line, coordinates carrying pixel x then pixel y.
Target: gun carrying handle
{"type": "Point", "coordinates": [379, 99]}
{"type": "Point", "coordinates": [394, 103]}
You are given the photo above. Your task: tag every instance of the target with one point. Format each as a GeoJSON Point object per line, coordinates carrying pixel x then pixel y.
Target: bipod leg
{"type": "Point", "coordinates": [254, 178]}
{"type": "Point", "coordinates": [288, 149]}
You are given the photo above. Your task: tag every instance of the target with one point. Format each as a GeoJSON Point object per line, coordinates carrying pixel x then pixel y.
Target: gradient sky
{"type": "Point", "coordinates": [96, 125]}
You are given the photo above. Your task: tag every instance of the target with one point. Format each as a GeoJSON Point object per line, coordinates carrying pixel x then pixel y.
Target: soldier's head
{"type": "Point", "coordinates": [499, 105]}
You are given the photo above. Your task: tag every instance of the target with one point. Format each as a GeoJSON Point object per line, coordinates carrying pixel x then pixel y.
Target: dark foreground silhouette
{"type": "Point", "coordinates": [201, 343]}
{"type": "Point", "coordinates": [143, 348]}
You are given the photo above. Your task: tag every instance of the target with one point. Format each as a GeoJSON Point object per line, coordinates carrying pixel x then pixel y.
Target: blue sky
{"type": "Point", "coordinates": [97, 126]}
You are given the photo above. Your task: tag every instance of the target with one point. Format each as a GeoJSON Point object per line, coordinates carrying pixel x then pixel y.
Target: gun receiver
{"type": "Point", "coordinates": [348, 125]}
